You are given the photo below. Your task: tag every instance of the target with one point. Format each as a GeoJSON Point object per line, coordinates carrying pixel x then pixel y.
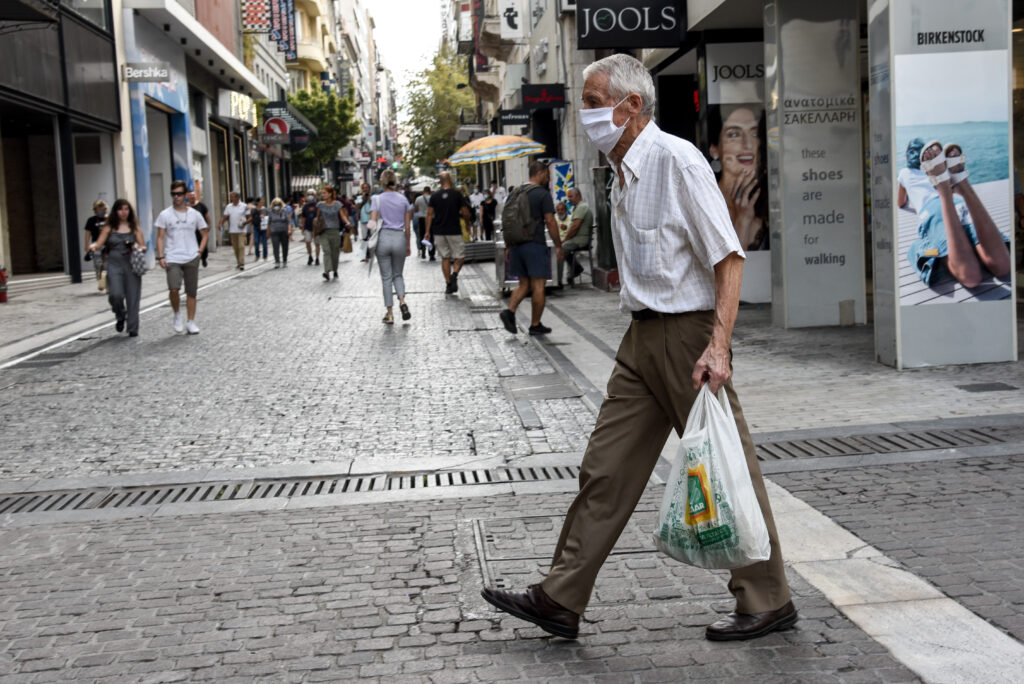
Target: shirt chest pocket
{"type": "Point", "coordinates": [643, 253]}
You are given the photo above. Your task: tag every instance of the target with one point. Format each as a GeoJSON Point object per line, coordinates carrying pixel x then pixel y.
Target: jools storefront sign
{"type": "Point", "coordinates": [630, 23]}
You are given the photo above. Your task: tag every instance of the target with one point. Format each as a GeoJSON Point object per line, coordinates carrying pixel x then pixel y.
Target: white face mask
{"type": "Point", "coordinates": [600, 127]}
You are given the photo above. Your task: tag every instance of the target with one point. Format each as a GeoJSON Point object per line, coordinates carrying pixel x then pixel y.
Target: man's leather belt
{"type": "Point", "coordinates": [647, 314]}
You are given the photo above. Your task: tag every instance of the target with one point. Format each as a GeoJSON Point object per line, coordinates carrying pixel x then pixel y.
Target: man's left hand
{"type": "Point", "coordinates": [713, 368]}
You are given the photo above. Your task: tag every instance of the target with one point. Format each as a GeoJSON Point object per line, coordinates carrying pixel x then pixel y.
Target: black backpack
{"type": "Point", "coordinates": [517, 226]}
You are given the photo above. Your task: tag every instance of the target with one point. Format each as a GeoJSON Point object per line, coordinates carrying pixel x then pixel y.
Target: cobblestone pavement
{"type": "Point", "coordinates": [955, 523]}
{"type": "Point", "coordinates": [818, 377]}
{"type": "Point", "coordinates": [287, 369]}
{"type": "Point", "coordinates": [377, 593]}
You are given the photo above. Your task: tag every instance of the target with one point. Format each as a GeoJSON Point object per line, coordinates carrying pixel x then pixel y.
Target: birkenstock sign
{"type": "Point", "coordinates": [630, 23]}
{"type": "Point", "coordinates": [950, 37]}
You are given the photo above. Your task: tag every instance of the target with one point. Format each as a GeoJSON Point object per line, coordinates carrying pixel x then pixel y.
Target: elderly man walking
{"type": "Point", "coordinates": [680, 266]}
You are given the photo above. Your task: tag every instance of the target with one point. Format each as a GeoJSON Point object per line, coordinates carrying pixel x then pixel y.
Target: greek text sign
{"type": "Point", "coordinates": [630, 23]}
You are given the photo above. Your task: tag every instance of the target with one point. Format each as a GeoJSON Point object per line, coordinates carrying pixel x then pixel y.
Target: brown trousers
{"type": "Point", "coordinates": [238, 245]}
{"type": "Point", "coordinates": [649, 393]}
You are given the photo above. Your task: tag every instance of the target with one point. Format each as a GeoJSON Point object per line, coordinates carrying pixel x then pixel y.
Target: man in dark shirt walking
{"type": "Point", "coordinates": [308, 213]}
{"type": "Point", "coordinates": [443, 212]}
{"type": "Point", "coordinates": [194, 202]}
{"type": "Point", "coordinates": [530, 260]}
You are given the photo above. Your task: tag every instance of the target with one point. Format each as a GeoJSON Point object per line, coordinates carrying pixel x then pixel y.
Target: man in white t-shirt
{"type": "Point", "coordinates": [177, 251]}
{"type": "Point", "coordinates": [236, 213]}
{"type": "Point", "coordinates": [476, 198]}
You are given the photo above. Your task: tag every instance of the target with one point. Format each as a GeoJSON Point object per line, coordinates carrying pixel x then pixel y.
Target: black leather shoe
{"type": "Point", "coordinates": [508, 319]}
{"type": "Point", "coordinates": [740, 626]}
{"type": "Point", "coordinates": [533, 605]}
{"type": "Point", "coordinates": [539, 329]}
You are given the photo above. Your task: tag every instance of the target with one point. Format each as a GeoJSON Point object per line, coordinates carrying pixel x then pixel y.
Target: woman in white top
{"type": "Point", "coordinates": [391, 212]}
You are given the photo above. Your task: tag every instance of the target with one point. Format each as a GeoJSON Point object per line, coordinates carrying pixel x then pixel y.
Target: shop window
{"type": "Point", "coordinates": [87, 149]}
{"type": "Point", "coordinates": [93, 10]}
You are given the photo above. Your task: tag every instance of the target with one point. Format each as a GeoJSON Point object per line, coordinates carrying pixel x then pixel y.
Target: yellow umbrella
{"type": "Point", "coordinates": [494, 148]}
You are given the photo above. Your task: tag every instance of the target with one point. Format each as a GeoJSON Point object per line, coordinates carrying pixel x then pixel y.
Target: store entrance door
{"type": "Point", "coordinates": [32, 191]}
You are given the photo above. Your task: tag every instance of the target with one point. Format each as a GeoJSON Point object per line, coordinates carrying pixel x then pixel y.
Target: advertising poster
{"type": "Point", "coordinates": [562, 180]}
{"type": "Point", "coordinates": [952, 149]}
{"type": "Point", "coordinates": [817, 154]}
{"type": "Point", "coordinates": [950, 212]}
{"type": "Point", "coordinates": [735, 146]}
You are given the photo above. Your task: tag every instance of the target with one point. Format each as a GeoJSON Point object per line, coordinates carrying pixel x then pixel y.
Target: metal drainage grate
{"type": "Point", "coordinates": [128, 497]}
{"type": "Point", "coordinates": [877, 443]}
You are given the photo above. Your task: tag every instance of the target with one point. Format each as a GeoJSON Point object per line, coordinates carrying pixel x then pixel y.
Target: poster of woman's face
{"type": "Point", "coordinates": [737, 152]}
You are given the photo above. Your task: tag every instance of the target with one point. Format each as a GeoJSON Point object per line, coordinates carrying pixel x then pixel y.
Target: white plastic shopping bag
{"type": "Point", "coordinates": [709, 515]}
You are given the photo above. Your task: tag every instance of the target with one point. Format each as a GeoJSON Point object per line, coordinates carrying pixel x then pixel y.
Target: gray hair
{"type": "Point", "coordinates": [626, 75]}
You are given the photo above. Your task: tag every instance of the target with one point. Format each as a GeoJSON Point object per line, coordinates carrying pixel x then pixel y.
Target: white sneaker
{"type": "Point", "coordinates": [192, 328]}
{"type": "Point", "coordinates": [179, 327]}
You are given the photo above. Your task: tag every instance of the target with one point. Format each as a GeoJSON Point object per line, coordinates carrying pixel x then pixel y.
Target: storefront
{"type": "Point", "coordinates": [161, 124]}
{"type": "Point", "coordinates": [815, 106]}
{"type": "Point", "coordinates": [57, 128]}
{"type": "Point", "coordinates": [192, 125]}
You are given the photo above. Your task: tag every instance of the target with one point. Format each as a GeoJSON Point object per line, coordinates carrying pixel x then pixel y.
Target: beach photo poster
{"type": "Point", "coordinates": [952, 159]}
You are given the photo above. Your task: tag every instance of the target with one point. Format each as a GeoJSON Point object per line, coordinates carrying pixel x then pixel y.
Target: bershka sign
{"type": "Point", "coordinates": [544, 96]}
{"type": "Point", "coordinates": [514, 117]}
{"type": "Point", "coordinates": [147, 72]}
{"type": "Point", "coordinates": [630, 23]}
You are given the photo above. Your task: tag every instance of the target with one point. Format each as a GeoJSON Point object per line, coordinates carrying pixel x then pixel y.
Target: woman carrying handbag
{"type": "Point", "coordinates": [119, 237]}
{"type": "Point", "coordinates": [391, 214]}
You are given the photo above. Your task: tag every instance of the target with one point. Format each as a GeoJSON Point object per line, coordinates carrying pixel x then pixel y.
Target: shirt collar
{"type": "Point", "coordinates": [633, 163]}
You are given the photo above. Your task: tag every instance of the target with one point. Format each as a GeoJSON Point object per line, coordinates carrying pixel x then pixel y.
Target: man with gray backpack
{"type": "Point", "coordinates": [528, 210]}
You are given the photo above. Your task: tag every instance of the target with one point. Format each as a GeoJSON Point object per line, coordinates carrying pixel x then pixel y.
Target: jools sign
{"type": "Point", "coordinates": [630, 23]}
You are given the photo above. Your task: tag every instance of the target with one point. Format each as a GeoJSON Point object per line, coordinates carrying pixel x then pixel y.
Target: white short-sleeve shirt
{"type": "Point", "coordinates": [180, 244]}
{"type": "Point", "coordinates": [670, 226]}
{"type": "Point", "coordinates": [236, 214]}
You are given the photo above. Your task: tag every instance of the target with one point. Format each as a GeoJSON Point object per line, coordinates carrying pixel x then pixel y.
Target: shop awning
{"type": "Point", "coordinates": [214, 57]}
{"type": "Point", "coordinates": [303, 183]}
{"type": "Point", "coordinates": [283, 110]}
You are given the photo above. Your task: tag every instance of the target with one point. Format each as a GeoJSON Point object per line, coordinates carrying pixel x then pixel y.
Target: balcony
{"type": "Point", "coordinates": [491, 44]}
{"type": "Point", "coordinates": [486, 84]}
{"type": "Point", "coordinates": [311, 55]}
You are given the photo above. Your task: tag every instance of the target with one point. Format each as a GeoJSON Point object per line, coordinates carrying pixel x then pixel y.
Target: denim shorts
{"type": "Point", "coordinates": [530, 259]}
{"type": "Point", "coordinates": [931, 243]}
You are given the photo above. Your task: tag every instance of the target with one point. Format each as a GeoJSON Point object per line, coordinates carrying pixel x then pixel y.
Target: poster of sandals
{"type": "Point", "coordinates": [954, 184]}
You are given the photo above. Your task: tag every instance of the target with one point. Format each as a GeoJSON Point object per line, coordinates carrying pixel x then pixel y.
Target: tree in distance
{"type": "Point", "coordinates": [335, 120]}
{"type": "Point", "coordinates": [433, 109]}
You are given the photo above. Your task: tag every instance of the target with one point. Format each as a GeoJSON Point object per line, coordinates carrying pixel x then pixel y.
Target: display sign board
{"type": "Point", "coordinates": [513, 20]}
{"type": "Point", "coordinates": [944, 246]}
{"type": "Point", "coordinates": [630, 23]}
{"type": "Point", "coordinates": [236, 106]}
{"type": "Point", "coordinates": [735, 143]}
{"type": "Point", "coordinates": [465, 21]}
{"type": "Point", "coordinates": [543, 96]}
{"type": "Point", "coordinates": [275, 131]}
{"type": "Point", "coordinates": [255, 16]}
{"type": "Point", "coordinates": [514, 117]}
{"type": "Point", "coordinates": [147, 72]}
{"type": "Point", "coordinates": [816, 156]}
